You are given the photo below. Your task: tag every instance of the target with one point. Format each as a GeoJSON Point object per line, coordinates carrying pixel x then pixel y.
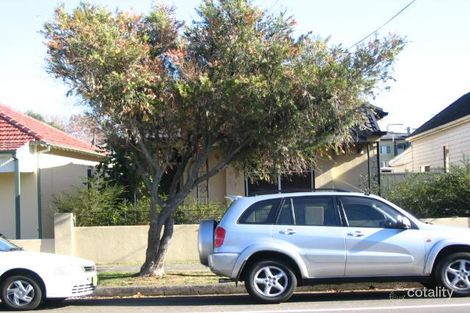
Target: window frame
{"type": "Point", "coordinates": [345, 217]}
{"type": "Point", "coordinates": [276, 211]}
{"type": "Point", "coordinates": [339, 218]}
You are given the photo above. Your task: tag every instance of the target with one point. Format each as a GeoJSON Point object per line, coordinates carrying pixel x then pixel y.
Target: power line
{"type": "Point", "coordinates": [388, 21]}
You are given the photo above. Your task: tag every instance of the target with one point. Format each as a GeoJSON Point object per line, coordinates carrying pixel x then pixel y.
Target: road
{"type": "Point", "coordinates": [308, 302]}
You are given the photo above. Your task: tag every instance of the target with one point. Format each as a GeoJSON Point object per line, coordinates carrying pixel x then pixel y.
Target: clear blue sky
{"type": "Point", "coordinates": [431, 72]}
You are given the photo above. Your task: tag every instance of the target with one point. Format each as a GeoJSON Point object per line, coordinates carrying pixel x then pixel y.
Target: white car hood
{"type": "Point", "coordinates": [35, 258]}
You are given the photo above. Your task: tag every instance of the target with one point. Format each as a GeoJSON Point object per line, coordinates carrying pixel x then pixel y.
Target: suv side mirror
{"type": "Point", "coordinates": [403, 222]}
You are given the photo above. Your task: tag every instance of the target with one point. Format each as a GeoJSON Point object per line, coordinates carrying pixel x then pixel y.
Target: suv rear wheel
{"type": "Point", "coordinates": [270, 281]}
{"type": "Point", "coordinates": [453, 273]}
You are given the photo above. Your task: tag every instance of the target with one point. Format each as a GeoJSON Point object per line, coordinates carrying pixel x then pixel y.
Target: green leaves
{"type": "Point", "coordinates": [236, 81]}
{"type": "Point", "coordinates": [435, 194]}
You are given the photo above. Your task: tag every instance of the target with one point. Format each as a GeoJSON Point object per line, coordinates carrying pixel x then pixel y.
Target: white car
{"type": "Point", "coordinates": [27, 278]}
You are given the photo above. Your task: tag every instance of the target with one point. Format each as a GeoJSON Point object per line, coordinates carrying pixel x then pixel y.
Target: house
{"type": "Point", "coordinates": [37, 161]}
{"type": "Point", "coordinates": [441, 142]}
{"type": "Point", "coordinates": [355, 169]}
{"type": "Point", "coordinates": [391, 145]}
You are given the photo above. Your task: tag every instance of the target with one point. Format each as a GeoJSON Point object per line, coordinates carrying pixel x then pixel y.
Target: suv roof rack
{"type": "Point", "coordinates": [267, 192]}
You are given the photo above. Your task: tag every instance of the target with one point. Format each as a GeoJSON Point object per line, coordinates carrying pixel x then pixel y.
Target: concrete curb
{"type": "Point", "coordinates": [184, 290]}
{"type": "Point", "coordinates": [230, 288]}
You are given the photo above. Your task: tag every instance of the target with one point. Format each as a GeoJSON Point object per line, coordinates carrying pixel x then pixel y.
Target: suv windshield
{"type": "Point", "coordinates": [5, 245]}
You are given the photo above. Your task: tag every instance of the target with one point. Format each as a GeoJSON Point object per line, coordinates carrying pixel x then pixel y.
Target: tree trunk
{"type": "Point", "coordinates": [157, 246]}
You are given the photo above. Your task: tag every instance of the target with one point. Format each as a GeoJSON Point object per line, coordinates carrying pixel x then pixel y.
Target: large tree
{"type": "Point", "coordinates": [236, 84]}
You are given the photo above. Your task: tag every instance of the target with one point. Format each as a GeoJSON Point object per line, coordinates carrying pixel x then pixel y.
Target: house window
{"type": "Point", "coordinates": [425, 168]}
{"type": "Point", "coordinates": [385, 150]}
{"type": "Point", "coordinates": [295, 181]}
{"type": "Point", "coordinates": [299, 181]}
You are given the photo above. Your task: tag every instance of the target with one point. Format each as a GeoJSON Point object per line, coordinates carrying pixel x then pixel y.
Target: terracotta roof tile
{"type": "Point", "coordinates": [17, 129]}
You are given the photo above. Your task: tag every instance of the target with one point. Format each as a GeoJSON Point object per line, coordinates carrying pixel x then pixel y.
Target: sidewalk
{"type": "Point", "coordinates": [223, 288]}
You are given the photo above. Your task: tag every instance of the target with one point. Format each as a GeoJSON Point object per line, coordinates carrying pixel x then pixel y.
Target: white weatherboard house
{"type": "Point", "coordinates": [439, 143]}
{"type": "Point", "coordinates": [37, 161]}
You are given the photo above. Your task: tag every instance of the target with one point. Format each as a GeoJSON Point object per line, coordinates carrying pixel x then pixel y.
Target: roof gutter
{"type": "Point", "coordinates": [85, 152]}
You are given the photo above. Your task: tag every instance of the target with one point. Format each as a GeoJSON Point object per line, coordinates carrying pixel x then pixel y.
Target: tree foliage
{"type": "Point", "coordinates": [235, 84]}
{"type": "Point", "coordinates": [53, 121]}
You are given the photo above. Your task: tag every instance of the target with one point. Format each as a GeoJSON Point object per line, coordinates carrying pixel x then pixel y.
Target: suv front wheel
{"type": "Point", "coordinates": [270, 281]}
{"type": "Point", "coordinates": [453, 273]}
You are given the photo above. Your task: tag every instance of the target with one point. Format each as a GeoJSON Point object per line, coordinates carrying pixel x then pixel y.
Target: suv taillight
{"type": "Point", "coordinates": [219, 237]}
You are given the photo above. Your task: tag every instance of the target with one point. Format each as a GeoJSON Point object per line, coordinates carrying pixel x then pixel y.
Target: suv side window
{"type": "Point", "coordinates": [365, 212]}
{"type": "Point", "coordinates": [309, 211]}
{"type": "Point", "coordinates": [262, 212]}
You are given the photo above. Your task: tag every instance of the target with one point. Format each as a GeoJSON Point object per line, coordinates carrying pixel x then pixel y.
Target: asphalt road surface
{"type": "Point", "coordinates": [299, 303]}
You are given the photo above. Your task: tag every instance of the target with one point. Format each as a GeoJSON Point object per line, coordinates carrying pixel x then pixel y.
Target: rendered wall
{"type": "Point", "coordinates": [38, 245]}
{"type": "Point", "coordinates": [28, 196]}
{"type": "Point", "coordinates": [7, 205]}
{"type": "Point", "coordinates": [60, 172]}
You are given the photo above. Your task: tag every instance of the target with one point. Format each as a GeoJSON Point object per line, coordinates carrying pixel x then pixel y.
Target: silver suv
{"type": "Point", "coordinates": [279, 241]}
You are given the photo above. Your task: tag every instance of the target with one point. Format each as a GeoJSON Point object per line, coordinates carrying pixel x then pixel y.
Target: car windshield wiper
{"type": "Point", "coordinates": [15, 249]}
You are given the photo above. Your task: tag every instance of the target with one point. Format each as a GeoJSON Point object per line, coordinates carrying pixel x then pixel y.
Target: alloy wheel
{"type": "Point", "coordinates": [270, 281]}
{"type": "Point", "coordinates": [20, 293]}
{"type": "Point", "coordinates": [457, 275]}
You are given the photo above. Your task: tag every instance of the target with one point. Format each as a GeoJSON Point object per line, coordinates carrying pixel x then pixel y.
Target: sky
{"type": "Point", "coordinates": [431, 72]}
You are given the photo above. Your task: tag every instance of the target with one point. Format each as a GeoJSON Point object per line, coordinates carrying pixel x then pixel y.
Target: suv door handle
{"type": "Point", "coordinates": [355, 234]}
{"type": "Point", "coordinates": [287, 232]}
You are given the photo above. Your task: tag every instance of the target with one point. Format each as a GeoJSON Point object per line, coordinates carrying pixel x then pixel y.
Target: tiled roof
{"type": "Point", "coordinates": [371, 127]}
{"type": "Point", "coordinates": [458, 109]}
{"type": "Point", "coordinates": [17, 129]}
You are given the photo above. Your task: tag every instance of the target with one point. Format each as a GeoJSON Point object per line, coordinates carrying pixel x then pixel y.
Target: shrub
{"type": "Point", "coordinates": [434, 195]}
{"type": "Point", "coordinates": [101, 204]}
{"type": "Point", "coordinates": [193, 212]}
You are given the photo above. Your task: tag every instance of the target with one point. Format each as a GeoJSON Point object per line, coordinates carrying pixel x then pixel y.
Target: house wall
{"type": "Point", "coordinates": [61, 171]}
{"type": "Point", "coordinates": [227, 181]}
{"type": "Point", "coordinates": [403, 163]}
{"type": "Point", "coordinates": [29, 206]}
{"type": "Point", "coordinates": [234, 181]}
{"type": "Point", "coordinates": [7, 204]}
{"type": "Point", "coordinates": [217, 183]}
{"type": "Point", "coordinates": [350, 171]}
{"type": "Point", "coordinates": [347, 171]}
{"type": "Point", "coordinates": [37, 245]}
{"type": "Point", "coordinates": [28, 196]}
{"type": "Point", "coordinates": [427, 149]}
{"type": "Point", "coordinates": [57, 170]}
{"type": "Point", "coordinates": [28, 193]}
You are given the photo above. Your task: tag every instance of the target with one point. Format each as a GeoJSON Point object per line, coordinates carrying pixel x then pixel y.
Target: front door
{"type": "Point", "coordinates": [311, 226]}
{"type": "Point", "coordinates": [375, 245]}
